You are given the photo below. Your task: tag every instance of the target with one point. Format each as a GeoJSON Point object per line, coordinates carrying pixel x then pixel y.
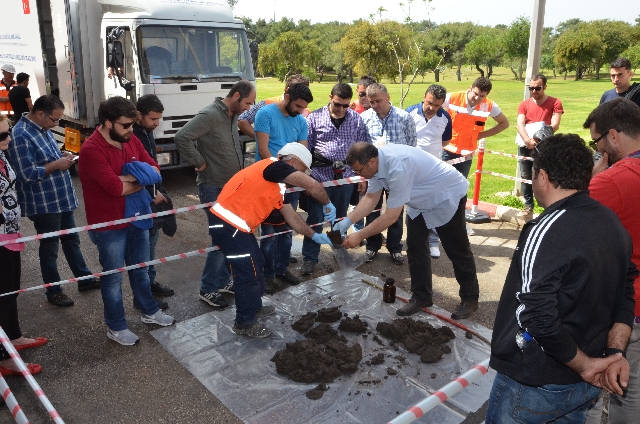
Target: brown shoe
{"type": "Point", "coordinates": [465, 309]}
{"type": "Point", "coordinates": [412, 307]}
{"type": "Point", "coordinates": [60, 299]}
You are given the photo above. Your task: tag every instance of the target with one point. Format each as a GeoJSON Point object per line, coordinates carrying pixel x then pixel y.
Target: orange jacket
{"type": "Point", "coordinates": [466, 127]}
{"type": "Point", "coordinates": [247, 198]}
{"type": "Point", "coordinates": [5, 108]}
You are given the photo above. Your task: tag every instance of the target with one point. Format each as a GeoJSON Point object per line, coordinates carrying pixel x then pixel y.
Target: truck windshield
{"type": "Point", "coordinates": [169, 54]}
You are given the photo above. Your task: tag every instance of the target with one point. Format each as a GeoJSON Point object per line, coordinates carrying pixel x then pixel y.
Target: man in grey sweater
{"type": "Point", "coordinates": [217, 157]}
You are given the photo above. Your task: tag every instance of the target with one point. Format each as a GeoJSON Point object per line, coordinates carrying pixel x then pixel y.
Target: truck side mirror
{"type": "Point", "coordinates": [115, 54]}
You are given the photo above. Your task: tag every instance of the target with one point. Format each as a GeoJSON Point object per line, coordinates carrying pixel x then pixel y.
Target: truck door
{"type": "Point", "coordinates": [114, 82]}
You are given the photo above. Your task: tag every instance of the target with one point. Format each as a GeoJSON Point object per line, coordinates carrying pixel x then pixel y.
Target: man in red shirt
{"type": "Point", "coordinates": [102, 158]}
{"type": "Point", "coordinates": [615, 131]}
{"type": "Point", "coordinates": [533, 113]}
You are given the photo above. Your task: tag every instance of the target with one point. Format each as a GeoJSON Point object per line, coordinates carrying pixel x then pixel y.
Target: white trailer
{"type": "Point", "coordinates": [187, 52]}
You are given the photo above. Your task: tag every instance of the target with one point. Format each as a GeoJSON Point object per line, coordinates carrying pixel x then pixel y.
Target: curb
{"type": "Point", "coordinates": [502, 213]}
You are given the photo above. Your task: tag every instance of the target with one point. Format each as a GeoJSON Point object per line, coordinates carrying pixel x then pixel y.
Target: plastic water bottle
{"type": "Point", "coordinates": [522, 339]}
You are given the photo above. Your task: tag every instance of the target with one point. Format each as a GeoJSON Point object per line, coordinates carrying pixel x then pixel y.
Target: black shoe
{"type": "Point", "coordinates": [412, 307]}
{"type": "Point", "coordinates": [270, 286]}
{"type": "Point", "coordinates": [160, 290]}
{"type": "Point", "coordinates": [86, 285]}
{"type": "Point", "coordinates": [307, 268]}
{"type": "Point", "coordinates": [465, 309]}
{"type": "Point", "coordinates": [397, 258]}
{"type": "Point", "coordinates": [371, 254]}
{"type": "Point", "coordinates": [293, 260]}
{"type": "Point", "coordinates": [214, 299]}
{"type": "Point", "coordinates": [161, 303]}
{"type": "Point", "coordinates": [60, 299]}
{"type": "Point", "coordinates": [288, 277]}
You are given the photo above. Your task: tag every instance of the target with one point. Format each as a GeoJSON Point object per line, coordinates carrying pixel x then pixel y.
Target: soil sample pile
{"type": "Point", "coordinates": [305, 323]}
{"type": "Point", "coordinates": [329, 315]}
{"type": "Point", "coordinates": [353, 325]}
{"type": "Point", "coordinates": [418, 337]}
{"type": "Point", "coordinates": [323, 333]}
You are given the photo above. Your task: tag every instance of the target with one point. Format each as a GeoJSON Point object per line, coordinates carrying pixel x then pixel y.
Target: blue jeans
{"type": "Point", "coordinates": [339, 196]}
{"type": "Point", "coordinates": [48, 251]}
{"type": "Point", "coordinates": [246, 263]}
{"type": "Point", "coordinates": [215, 274]}
{"type": "Point", "coordinates": [463, 167]}
{"type": "Point", "coordinates": [128, 246]}
{"type": "Point", "coordinates": [512, 402]}
{"type": "Point", "coordinates": [277, 250]}
{"type": "Point", "coordinates": [394, 232]}
{"type": "Point", "coordinates": [153, 242]}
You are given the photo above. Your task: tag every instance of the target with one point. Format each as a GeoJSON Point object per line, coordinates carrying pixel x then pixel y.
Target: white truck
{"type": "Point", "coordinates": [187, 52]}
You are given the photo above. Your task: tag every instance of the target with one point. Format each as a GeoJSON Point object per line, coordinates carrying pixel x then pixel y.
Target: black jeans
{"type": "Point", "coordinates": [9, 281]}
{"type": "Point", "coordinates": [455, 242]}
{"type": "Point", "coordinates": [394, 233]}
{"type": "Point", "coordinates": [526, 167]}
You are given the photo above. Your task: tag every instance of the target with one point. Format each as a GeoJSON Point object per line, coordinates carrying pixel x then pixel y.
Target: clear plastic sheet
{"type": "Point", "coordinates": [238, 370]}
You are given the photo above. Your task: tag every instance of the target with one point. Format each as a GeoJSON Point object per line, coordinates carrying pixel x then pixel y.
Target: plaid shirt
{"type": "Point", "coordinates": [250, 115]}
{"type": "Point", "coordinates": [31, 148]}
{"type": "Point", "coordinates": [333, 143]}
{"type": "Point", "coordinates": [397, 127]}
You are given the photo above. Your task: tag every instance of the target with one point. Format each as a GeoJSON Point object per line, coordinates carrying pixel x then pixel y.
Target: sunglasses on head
{"type": "Point", "coordinates": [4, 135]}
{"type": "Point", "coordinates": [535, 88]}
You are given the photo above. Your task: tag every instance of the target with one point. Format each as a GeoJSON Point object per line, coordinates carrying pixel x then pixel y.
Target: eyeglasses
{"type": "Point", "coordinates": [4, 135]}
{"type": "Point", "coordinates": [535, 88]}
{"type": "Point", "coordinates": [362, 94]}
{"type": "Point", "coordinates": [53, 120]}
{"type": "Point", "coordinates": [358, 171]}
{"type": "Point", "coordinates": [594, 143]}
{"type": "Point", "coordinates": [124, 126]}
{"type": "Point", "coordinates": [340, 105]}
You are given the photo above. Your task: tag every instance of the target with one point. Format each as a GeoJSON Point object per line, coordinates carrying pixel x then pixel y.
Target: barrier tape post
{"type": "Point", "coordinates": [474, 215]}
{"type": "Point", "coordinates": [12, 403]}
{"type": "Point", "coordinates": [4, 339]}
{"type": "Point", "coordinates": [427, 404]}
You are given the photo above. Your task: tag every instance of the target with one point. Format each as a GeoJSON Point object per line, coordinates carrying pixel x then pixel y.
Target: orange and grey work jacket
{"type": "Point", "coordinates": [247, 198]}
{"type": "Point", "coordinates": [5, 108]}
{"type": "Point", "coordinates": [466, 127]}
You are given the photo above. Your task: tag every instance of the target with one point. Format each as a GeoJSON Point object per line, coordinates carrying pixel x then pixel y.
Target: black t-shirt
{"type": "Point", "coordinates": [17, 98]}
{"type": "Point", "coordinates": [276, 172]}
{"type": "Point", "coordinates": [338, 121]}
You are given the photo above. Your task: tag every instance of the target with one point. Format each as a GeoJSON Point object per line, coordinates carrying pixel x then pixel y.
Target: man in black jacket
{"type": "Point", "coordinates": [569, 287]}
{"type": "Point", "coordinates": [150, 110]}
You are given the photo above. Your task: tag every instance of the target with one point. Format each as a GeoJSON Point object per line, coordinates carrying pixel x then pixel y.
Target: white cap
{"type": "Point", "coordinates": [297, 150]}
{"type": "Point", "coordinates": [8, 68]}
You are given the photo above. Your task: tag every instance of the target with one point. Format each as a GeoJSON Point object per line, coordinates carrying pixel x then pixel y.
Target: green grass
{"type": "Point", "coordinates": [579, 98]}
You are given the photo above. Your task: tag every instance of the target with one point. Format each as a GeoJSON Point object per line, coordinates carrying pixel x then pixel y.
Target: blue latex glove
{"type": "Point", "coordinates": [321, 238]}
{"type": "Point", "coordinates": [329, 212]}
{"type": "Point", "coordinates": [343, 226]}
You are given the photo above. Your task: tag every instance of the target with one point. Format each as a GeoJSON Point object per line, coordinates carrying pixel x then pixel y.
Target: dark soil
{"type": "Point", "coordinates": [329, 314]}
{"type": "Point", "coordinates": [323, 333]}
{"type": "Point", "coordinates": [418, 337]}
{"type": "Point", "coordinates": [317, 392]}
{"type": "Point", "coordinates": [305, 323]}
{"type": "Point", "coordinates": [353, 325]}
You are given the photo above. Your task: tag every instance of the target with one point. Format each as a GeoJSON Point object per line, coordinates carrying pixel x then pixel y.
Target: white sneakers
{"type": "Point", "coordinates": [159, 318]}
{"type": "Point", "coordinates": [434, 252]}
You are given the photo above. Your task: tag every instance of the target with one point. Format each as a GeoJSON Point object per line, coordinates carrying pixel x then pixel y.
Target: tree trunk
{"type": "Point", "coordinates": [351, 75]}
{"type": "Point", "coordinates": [436, 72]}
{"type": "Point", "coordinates": [480, 70]}
{"type": "Point", "coordinates": [565, 74]}
{"type": "Point", "coordinates": [520, 71]}
{"type": "Point", "coordinates": [515, 75]}
{"type": "Point", "coordinates": [598, 71]}
{"type": "Point", "coordinates": [554, 73]}
{"type": "Point", "coordinates": [459, 72]}
{"type": "Point", "coordinates": [489, 71]}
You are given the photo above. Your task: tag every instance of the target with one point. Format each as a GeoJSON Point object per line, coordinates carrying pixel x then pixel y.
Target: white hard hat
{"type": "Point", "coordinates": [7, 67]}
{"type": "Point", "coordinates": [297, 150]}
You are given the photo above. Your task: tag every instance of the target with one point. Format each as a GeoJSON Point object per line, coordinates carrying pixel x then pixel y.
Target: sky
{"type": "Point", "coordinates": [482, 12]}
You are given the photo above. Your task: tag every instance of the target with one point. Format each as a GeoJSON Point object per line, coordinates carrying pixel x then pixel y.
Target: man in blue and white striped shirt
{"type": "Point", "coordinates": [46, 194]}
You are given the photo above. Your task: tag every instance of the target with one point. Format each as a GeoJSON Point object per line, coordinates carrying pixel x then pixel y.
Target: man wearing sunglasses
{"type": "Point", "coordinates": [615, 131]}
{"type": "Point", "coordinates": [332, 130]}
{"type": "Point", "coordinates": [362, 102]}
{"type": "Point", "coordinates": [533, 113]}
{"type": "Point", "coordinates": [46, 194]}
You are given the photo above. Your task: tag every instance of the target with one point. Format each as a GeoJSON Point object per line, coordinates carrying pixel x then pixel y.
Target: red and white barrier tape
{"type": "Point", "coordinates": [443, 394]}
{"type": "Point", "coordinates": [4, 339]}
{"type": "Point", "coordinates": [12, 403]}
{"type": "Point", "coordinates": [509, 177]}
{"type": "Point", "coordinates": [459, 160]}
{"type": "Point", "coordinates": [198, 252]}
{"type": "Point", "coordinates": [344, 181]}
{"type": "Point", "coordinates": [509, 155]}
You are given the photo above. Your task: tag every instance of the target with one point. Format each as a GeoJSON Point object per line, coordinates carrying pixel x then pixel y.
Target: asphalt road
{"type": "Point", "coordinates": [91, 379]}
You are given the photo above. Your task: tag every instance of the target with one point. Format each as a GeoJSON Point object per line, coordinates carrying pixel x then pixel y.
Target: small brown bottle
{"type": "Point", "coordinates": [389, 291]}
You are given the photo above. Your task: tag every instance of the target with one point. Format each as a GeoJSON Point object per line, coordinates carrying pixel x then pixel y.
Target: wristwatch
{"type": "Point", "coordinates": [612, 351]}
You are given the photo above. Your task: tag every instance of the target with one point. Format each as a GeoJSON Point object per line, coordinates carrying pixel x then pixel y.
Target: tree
{"type": "Point", "coordinates": [516, 44]}
{"type": "Point", "coordinates": [485, 50]}
{"type": "Point", "coordinates": [576, 49]}
{"type": "Point", "coordinates": [615, 36]}
{"type": "Point", "coordinates": [449, 40]}
{"type": "Point", "coordinates": [365, 50]}
{"type": "Point", "coordinates": [287, 54]}
{"type": "Point", "coordinates": [633, 54]}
